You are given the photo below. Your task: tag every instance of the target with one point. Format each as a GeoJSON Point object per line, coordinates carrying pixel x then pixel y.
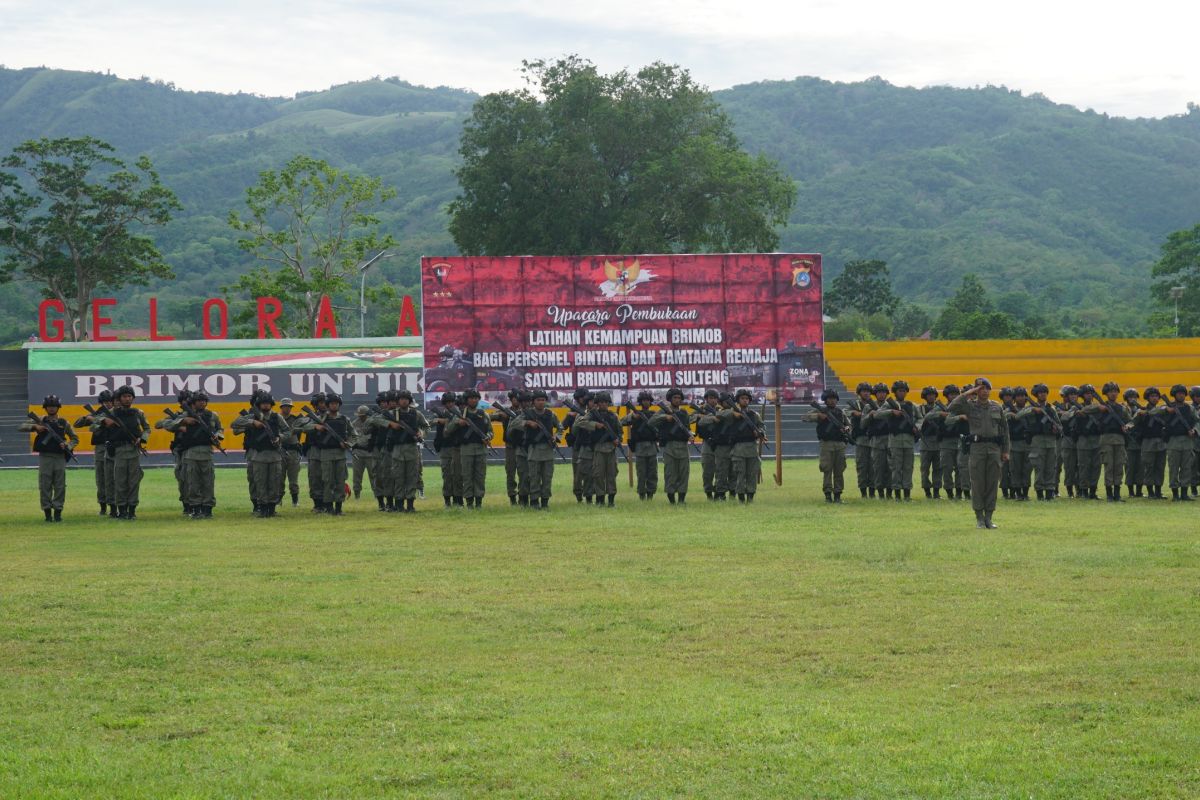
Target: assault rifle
{"type": "Point", "coordinates": [207, 431]}
{"type": "Point", "coordinates": [894, 404]}
{"type": "Point", "coordinates": [108, 413]}
{"type": "Point", "coordinates": [838, 417]}
{"type": "Point", "coordinates": [485, 435]}
{"type": "Point", "coordinates": [312, 415]}
{"type": "Point", "coordinates": [417, 437]}
{"type": "Point", "coordinates": [670, 411]}
{"type": "Point", "coordinates": [276, 440]}
{"type": "Point", "coordinates": [55, 436]}
{"type": "Point", "coordinates": [621, 446]}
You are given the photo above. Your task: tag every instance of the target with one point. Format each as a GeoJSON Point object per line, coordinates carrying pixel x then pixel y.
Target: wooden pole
{"type": "Point", "coordinates": [778, 439]}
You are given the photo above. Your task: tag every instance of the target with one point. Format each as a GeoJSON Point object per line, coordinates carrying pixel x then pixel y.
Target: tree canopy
{"type": "Point", "coordinates": [1179, 266]}
{"type": "Point", "coordinates": [581, 162]}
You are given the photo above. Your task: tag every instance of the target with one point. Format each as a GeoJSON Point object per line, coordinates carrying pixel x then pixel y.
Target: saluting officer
{"type": "Point", "coordinates": [674, 427]}
{"type": "Point", "coordinates": [54, 442]}
{"type": "Point", "coordinates": [643, 441]}
{"type": "Point", "coordinates": [989, 447]}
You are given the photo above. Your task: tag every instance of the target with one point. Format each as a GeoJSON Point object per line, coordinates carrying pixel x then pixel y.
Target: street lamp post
{"type": "Point", "coordinates": [362, 289]}
{"type": "Point", "coordinates": [1176, 293]}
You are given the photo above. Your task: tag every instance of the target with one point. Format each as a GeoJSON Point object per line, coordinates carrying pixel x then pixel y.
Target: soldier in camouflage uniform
{"type": "Point", "coordinates": [746, 431]}
{"type": "Point", "coordinates": [316, 489]}
{"type": "Point", "coordinates": [1019, 470]}
{"type": "Point", "coordinates": [263, 431]}
{"type": "Point", "coordinates": [512, 444]}
{"type": "Point", "coordinates": [101, 459]}
{"type": "Point", "coordinates": [989, 447]}
{"type": "Point", "coordinates": [1087, 443]}
{"type": "Point", "coordinates": [1151, 426]}
{"type": "Point", "coordinates": [861, 405]}
{"type": "Point", "coordinates": [473, 428]}
{"type": "Point", "coordinates": [581, 465]}
{"type": "Point", "coordinates": [878, 422]}
{"type": "Point", "coordinates": [958, 426]}
{"type": "Point", "coordinates": [446, 444]}
{"type": "Point", "coordinates": [199, 431]}
{"type": "Point", "coordinates": [1133, 445]}
{"type": "Point", "coordinates": [1112, 420]}
{"type": "Point", "coordinates": [1181, 432]}
{"type": "Point", "coordinates": [1006, 397]}
{"type": "Point", "coordinates": [930, 424]}
{"type": "Point", "coordinates": [901, 441]}
{"type": "Point", "coordinates": [177, 453]}
{"type": "Point", "coordinates": [1067, 452]}
{"type": "Point", "coordinates": [1194, 393]}
{"type": "Point", "coordinates": [362, 457]}
{"type": "Point", "coordinates": [54, 442]}
{"type": "Point", "coordinates": [643, 441]}
{"type": "Point", "coordinates": [290, 439]}
{"type": "Point", "coordinates": [541, 428]}
{"type": "Point", "coordinates": [707, 425]}
{"type": "Point", "coordinates": [833, 432]}
{"type": "Point", "coordinates": [1042, 425]}
{"type": "Point", "coordinates": [129, 431]}
{"type": "Point", "coordinates": [406, 427]}
{"type": "Point", "coordinates": [605, 429]}
{"type": "Point", "coordinates": [329, 437]}
{"type": "Point", "coordinates": [948, 446]}
{"type": "Point", "coordinates": [674, 426]}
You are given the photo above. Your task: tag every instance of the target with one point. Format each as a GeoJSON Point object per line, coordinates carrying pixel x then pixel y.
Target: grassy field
{"type": "Point", "coordinates": [786, 649]}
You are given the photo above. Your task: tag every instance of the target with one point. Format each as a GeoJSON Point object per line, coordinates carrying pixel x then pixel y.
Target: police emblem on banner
{"type": "Point", "coordinates": [802, 274]}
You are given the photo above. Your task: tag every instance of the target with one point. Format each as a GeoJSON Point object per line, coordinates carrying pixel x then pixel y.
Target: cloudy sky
{"type": "Point", "coordinates": [1127, 59]}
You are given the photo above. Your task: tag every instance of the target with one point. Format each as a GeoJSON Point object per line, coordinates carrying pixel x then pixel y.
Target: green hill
{"type": "Point", "coordinates": [1060, 211]}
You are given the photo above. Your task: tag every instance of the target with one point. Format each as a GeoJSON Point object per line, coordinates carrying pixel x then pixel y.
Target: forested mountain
{"type": "Point", "coordinates": [1059, 211]}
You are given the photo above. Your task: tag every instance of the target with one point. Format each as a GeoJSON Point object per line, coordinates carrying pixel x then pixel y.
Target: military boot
{"type": "Point", "coordinates": [979, 520]}
{"type": "Point", "coordinates": [829, 497]}
{"type": "Point", "coordinates": [295, 497]}
{"type": "Point", "coordinates": [104, 509]}
{"type": "Point", "coordinates": [987, 521]}
{"type": "Point", "coordinates": [49, 514]}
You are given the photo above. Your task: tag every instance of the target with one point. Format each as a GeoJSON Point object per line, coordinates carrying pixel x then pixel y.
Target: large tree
{"type": "Point", "coordinates": [580, 162]}
{"type": "Point", "coordinates": [70, 215]}
{"type": "Point", "coordinates": [971, 314]}
{"type": "Point", "coordinates": [862, 286]}
{"type": "Point", "coordinates": [309, 225]}
{"type": "Point", "coordinates": [1179, 266]}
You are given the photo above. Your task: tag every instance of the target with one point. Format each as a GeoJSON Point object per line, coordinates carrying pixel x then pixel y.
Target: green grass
{"type": "Point", "coordinates": [787, 649]}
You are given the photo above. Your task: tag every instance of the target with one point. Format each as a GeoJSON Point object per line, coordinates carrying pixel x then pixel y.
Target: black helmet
{"type": "Point", "coordinates": [1178, 388]}
{"type": "Point", "coordinates": [829, 394]}
{"type": "Point", "coordinates": [332, 398]}
{"type": "Point", "coordinates": [950, 389]}
{"type": "Point", "coordinates": [1194, 391]}
{"type": "Point", "coordinates": [645, 396]}
{"type": "Point", "coordinates": [319, 397]}
{"type": "Point", "coordinates": [863, 386]}
{"type": "Point", "coordinates": [726, 398]}
{"type": "Point", "coordinates": [264, 397]}
{"type": "Point", "coordinates": [382, 397]}
{"type": "Point", "coordinates": [897, 385]}
{"type": "Point", "coordinates": [1111, 386]}
{"type": "Point", "coordinates": [538, 394]}
{"type": "Point", "coordinates": [1040, 388]}
{"type": "Point", "coordinates": [1068, 390]}
{"type": "Point", "coordinates": [105, 396]}
{"type": "Point", "coordinates": [714, 393]}
{"type": "Point", "coordinates": [403, 394]}
{"type": "Point", "coordinates": [469, 393]}
{"type": "Point", "coordinates": [1130, 394]}
{"type": "Point", "coordinates": [51, 401]}
{"type": "Point", "coordinates": [125, 390]}
{"type": "Point", "coordinates": [449, 397]}
{"type": "Point", "coordinates": [1151, 390]}
{"type": "Point", "coordinates": [1005, 391]}
{"type": "Point", "coordinates": [513, 394]}
{"type": "Point", "coordinates": [1086, 389]}
{"type": "Point", "coordinates": [742, 393]}
{"type": "Point", "coordinates": [674, 393]}
{"type": "Point", "coordinates": [929, 391]}
{"type": "Point", "coordinates": [579, 394]}
{"type": "Point", "coordinates": [184, 395]}
{"type": "Point", "coordinates": [198, 396]}
{"type": "Point", "coordinates": [1020, 391]}
{"type": "Point", "coordinates": [603, 397]}
{"type": "Point", "coordinates": [967, 386]}
{"type": "Point", "coordinates": [879, 387]}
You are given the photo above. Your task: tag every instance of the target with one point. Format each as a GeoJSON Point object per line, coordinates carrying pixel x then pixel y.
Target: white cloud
{"type": "Point", "coordinates": [1118, 58]}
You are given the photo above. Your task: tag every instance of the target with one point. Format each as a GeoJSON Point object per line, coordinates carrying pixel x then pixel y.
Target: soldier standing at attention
{"type": "Point", "coordinates": [1043, 427]}
{"type": "Point", "coordinates": [1194, 393]}
{"type": "Point", "coordinates": [54, 442]}
{"type": "Point", "coordinates": [901, 440]}
{"type": "Point", "coordinates": [1019, 441]}
{"type": "Point", "coordinates": [195, 445]}
{"type": "Point", "coordinates": [674, 427]}
{"type": "Point", "coordinates": [446, 445]}
{"type": "Point", "coordinates": [989, 447]}
{"type": "Point", "coordinates": [1112, 420]}
{"type": "Point", "coordinates": [931, 430]}
{"type": "Point", "coordinates": [177, 452]}
{"type": "Point", "coordinates": [1006, 395]}
{"type": "Point", "coordinates": [948, 446]}
{"type": "Point", "coordinates": [1067, 450]}
{"type": "Point", "coordinates": [524, 403]}
{"type": "Point", "coordinates": [363, 455]}
{"type": "Point", "coordinates": [1087, 446]}
{"type": "Point", "coordinates": [833, 432]}
{"type": "Point", "coordinates": [100, 457]}
{"type": "Point", "coordinates": [1151, 427]}
{"type": "Point", "coordinates": [383, 477]}
{"type": "Point", "coordinates": [579, 480]}
{"type": "Point", "coordinates": [541, 441]}
{"type": "Point", "coordinates": [643, 441]}
{"type": "Point", "coordinates": [512, 444]}
{"type": "Point", "coordinates": [263, 432]}
{"type": "Point", "coordinates": [291, 449]}
{"type": "Point", "coordinates": [605, 429]}
{"type": "Point", "coordinates": [860, 406]}
{"type": "Point", "coordinates": [474, 437]}
{"type": "Point", "coordinates": [406, 428]}
{"type": "Point", "coordinates": [706, 427]}
{"type": "Point", "coordinates": [130, 430]}
{"type": "Point", "coordinates": [878, 422]}
{"type": "Point", "coordinates": [329, 437]}
{"type": "Point", "coordinates": [1133, 445]}
{"type": "Point", "coordinates": [1181, 432]}
{"type": "Point", "coordinates": [745, 431]}
{"type": "Point", "coordinates": [316, 489]}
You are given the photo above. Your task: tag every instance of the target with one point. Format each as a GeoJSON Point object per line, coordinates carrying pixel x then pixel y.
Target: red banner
{"type": "Point", "coordinates": [625, 323]}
